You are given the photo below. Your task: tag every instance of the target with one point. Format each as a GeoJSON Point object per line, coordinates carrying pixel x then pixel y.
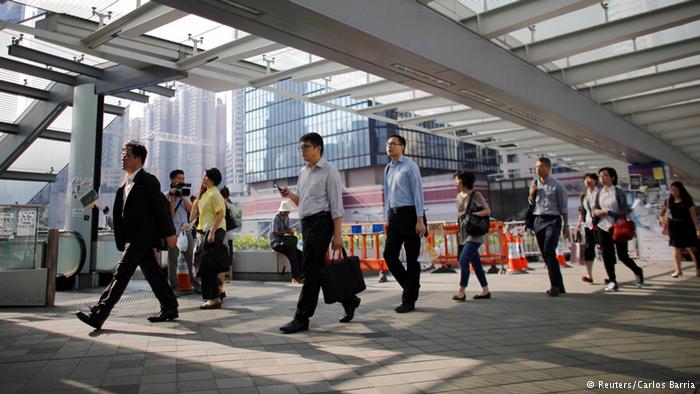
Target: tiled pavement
{"type": "Point", "coordinates": [521, 341]}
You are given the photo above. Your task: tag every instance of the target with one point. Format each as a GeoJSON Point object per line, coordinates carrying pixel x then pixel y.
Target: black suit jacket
{"type": "Point", "coordinates": [145, 219]}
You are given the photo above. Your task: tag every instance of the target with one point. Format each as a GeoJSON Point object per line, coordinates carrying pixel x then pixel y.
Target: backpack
{"type": "Point", "coordinates": [230, 220]}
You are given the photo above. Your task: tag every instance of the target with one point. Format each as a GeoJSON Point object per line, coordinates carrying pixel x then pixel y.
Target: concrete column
{"type": "Point", "coordinates": [84, 173]}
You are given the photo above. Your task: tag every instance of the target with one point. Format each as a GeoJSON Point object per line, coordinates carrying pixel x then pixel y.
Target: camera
{"type": "Point", "coordinates": [182, 189]}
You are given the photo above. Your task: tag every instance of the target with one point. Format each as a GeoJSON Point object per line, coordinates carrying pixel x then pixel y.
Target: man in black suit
{"type": "Point", "coordinates": [141, 222]}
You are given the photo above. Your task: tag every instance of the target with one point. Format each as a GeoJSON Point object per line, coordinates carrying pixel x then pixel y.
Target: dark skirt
{"type": "Point", "coordinates": [682, 234]}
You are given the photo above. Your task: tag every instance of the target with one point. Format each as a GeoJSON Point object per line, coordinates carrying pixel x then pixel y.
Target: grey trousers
{"type": "Point", "coordinates": [173, 254]}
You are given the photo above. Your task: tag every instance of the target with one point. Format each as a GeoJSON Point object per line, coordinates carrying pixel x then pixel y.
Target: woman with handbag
{"type": "Point", "coordinates": [211, 253]}
{"type": "Point", "coordinates": [473, 218]}
{"type": "Point", "coordinates": [585, 220]}
{"type": "Point", "coordinates": [681, 218]}
{"type": "Point", "coordinates": [611, 211]}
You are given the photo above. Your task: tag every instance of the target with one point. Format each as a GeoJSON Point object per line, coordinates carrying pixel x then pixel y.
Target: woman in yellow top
{"type": "Point", "coordinates": [211, 208]}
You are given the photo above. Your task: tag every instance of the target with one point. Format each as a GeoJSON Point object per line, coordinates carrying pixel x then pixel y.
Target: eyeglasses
{"type": "Point", "coordinates": [306, 146]}
{"type": "Point", "coordinates": [392, 144]}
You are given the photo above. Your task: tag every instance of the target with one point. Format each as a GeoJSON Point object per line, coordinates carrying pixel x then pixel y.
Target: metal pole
{"type": "Point", "coordinates": [51, 266]}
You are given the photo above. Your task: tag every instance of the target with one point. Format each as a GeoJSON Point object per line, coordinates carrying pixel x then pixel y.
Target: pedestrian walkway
{"type": "Point", "coordinates": [521, 341]}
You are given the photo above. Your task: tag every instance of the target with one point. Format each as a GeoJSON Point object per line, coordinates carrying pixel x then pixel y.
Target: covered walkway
{"type": "Point", "coordinates": [518, 342]}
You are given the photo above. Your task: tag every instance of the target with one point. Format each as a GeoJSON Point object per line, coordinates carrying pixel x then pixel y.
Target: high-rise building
{"type": "Point", "coordinates": [236, 181]}
{"type": "Point", "coordinates": [354, 143]}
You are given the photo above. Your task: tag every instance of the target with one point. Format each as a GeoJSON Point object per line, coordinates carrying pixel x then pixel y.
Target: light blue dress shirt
{"type": "Point", "coordinates": [402, 186]}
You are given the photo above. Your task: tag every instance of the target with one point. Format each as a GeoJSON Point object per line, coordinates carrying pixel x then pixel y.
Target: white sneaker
{"type": "Point", "coordinates": [612, 287]}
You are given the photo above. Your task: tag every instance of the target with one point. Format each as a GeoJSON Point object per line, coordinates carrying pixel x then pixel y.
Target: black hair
{"type": "Point", "coordinates": [225, 193]}
{"type": "Point", "coordinates": [611, 171]}
{"type": "Point", "coordinates": [175, 173]}
{"type": "Point", "coordinates": [214, 175]}
{"type": "Point", "coordinates": [591, 175]}
{"type": "Point", "coordinates": [466, 178]}
{"type": "Point", "coordinates": [686, 199]}
{"type": "Point", "coordinates": [137, 149]}
{"type": "Point", "coordinates": [314, 139]}
{"type": "Point", "coordinates": [402, 140]}
{"type": "Point", "coordinates": [546, 161]}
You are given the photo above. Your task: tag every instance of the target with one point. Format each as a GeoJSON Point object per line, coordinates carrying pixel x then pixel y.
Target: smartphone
{"type": "Point", "coordinates": [275, 185]}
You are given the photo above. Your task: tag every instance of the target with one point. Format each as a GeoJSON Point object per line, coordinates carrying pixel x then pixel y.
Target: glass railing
{"type": "Point", "coordinates": [18, 237]}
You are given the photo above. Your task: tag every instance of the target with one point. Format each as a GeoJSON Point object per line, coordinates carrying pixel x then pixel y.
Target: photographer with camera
{"type": "Point", "coordinates": [180, 207]}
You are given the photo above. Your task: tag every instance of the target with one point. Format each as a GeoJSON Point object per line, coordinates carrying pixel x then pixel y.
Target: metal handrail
{"type": "Point", "coordinates": [83, 252]}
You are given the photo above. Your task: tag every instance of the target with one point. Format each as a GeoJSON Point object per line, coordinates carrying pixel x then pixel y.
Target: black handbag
{"type": "Point", "coordinates": [342, 279]}
{"type": "Point", "coordinates": [530, 214]}
{"type": "Point", "coordinates": [475, 226]}
{"type": "Point", "coordinates": [289, 241]}
{"type": "Point", "coordinates": [212, 257]}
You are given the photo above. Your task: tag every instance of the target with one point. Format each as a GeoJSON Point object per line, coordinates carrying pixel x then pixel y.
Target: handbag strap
{"type": "Point", "coordinates": [341, 250]}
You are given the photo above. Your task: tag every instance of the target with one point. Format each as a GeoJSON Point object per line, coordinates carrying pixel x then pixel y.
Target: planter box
{"type": "Point", "coordinates": [260, 265]}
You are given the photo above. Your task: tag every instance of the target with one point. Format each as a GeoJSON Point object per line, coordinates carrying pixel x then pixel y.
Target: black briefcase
{"type": "Point", "coordinates": [342, 279]}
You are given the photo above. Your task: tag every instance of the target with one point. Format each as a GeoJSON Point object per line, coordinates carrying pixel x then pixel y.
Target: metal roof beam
{"type": "Point", "coordinates": [673, 125]}
{"type": "Point", "coordinates": [230, 52]}
{"type": "Point", "coordinates": [680, 142]}
{"type": "Point", "coordinates": [28, 176]}
{"type": "Point", "coordinates": [143, 19]}
{"type": "Point", "coordinates": [35, 120]}
{"type": "Point", "coordinates": [39, 72]}
{"type": "Point", "coordinates": [428, 102]}
{"type": "Point", "coordinates": [645, 83]}
{"type": "Point", "coordinates": [518, 15]}
{"type": "Point", "coordinates": [114, 109]}
{"type": "Point", "coordinates": [682, 133]}
{"type": "Point", "coordinates": [55, 61]}
{"type": "Point", "coordinates": [447, 117]}
{"type": "Point", "coordinates": [13, 128]}
{"type": "Point", "coordinates": [666, 113]}
{"type": "Point", "coordinates": [654, 100]}
{"type": "Point", "coordinates": [514, 132]}
{"type": "Point", "coordinates": [159, 90]}
{"type": "Point", "coordinates": [319, 69]}
{"type": "Point", "coordinates": [373, 89]}
{"type": "Point", "coordinates": [609, 33]}
{"type": "Point", "coordinates": [541, 137]}
{"type": "Point", "coordinates": [22, 90]}
{"type": "Point", "coordinates": [636, 60]}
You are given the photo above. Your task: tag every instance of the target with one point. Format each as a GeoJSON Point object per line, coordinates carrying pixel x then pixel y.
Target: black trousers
{"type": "Point", "coordinates": [317, 232]}
{"type": "Point", "coordinates": [608, 247]}
{"type": "Point", "coordinates": [547, 234]}
{"type": "Point", "coordinates": [295, 257]}
{"type": "Point", "coordinates": [142, 256]}
{"type": "Point", "coordinates": [402, 232]}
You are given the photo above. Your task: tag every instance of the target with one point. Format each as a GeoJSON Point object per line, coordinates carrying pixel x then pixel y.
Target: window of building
{"type": "Point", "coordinates": [513, 158]}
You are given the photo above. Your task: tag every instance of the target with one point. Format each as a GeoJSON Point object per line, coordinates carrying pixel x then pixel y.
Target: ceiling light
{"type": "Point", "coordinates": [422, 74]}
{"type": "Point", "coordinates": [480, 97]}
{"type": "Point", "coordinates": [241, 7]}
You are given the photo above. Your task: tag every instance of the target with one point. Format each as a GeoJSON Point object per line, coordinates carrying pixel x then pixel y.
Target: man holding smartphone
{"type": "Point", "coordinates": [320, 202]}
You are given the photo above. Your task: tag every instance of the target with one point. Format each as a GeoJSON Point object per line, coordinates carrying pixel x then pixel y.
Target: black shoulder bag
{"type": "Point", "coordinates": [475, 226]}
{"type": "Point", "coordinates": [530, 215]}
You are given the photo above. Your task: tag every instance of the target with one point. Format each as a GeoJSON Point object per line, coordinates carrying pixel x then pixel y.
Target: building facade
{"type": "Point", "coordinates": [354, 143]}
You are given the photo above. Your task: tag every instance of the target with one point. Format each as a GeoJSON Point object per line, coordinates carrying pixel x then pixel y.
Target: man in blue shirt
{"type": "Point", "coordinates": [404, 213]}
{"type": "Point", "coordinates": [549, 197]}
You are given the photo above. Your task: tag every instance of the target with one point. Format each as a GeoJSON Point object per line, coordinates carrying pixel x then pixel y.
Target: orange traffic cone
{"type": "Point", "coordinates": [184, 285]}
{"type": "Point", "coordinates": [513, 259]}
{"type": "Point", "coordinates": [521, 252]}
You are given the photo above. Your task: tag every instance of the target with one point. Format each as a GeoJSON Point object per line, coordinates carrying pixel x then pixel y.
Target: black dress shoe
{"type": "Point", "coordinates": [92, 319]}
{"type": "Point", "coordinates": [404, 308]}
{"type": "Point", "coordinates": [350, 311]}
{"type": "Point", "coordinates": [553, 292]}
{"type": "Point", "coordinates": [163, 316]}
{"type": "Point", "coordinates": [294, 326]}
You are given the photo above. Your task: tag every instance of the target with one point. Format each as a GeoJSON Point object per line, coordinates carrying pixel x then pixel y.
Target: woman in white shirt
{"type": "Point", "coordinates": [611, 205]}
{"type": "Point", "coordinates": [585, 221]}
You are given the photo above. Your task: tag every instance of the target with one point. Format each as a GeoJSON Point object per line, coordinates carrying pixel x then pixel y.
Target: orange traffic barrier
{"type": "Point", "coordinates": [513, 258]}
{"type": "Point", "coordinates": [561, 259]}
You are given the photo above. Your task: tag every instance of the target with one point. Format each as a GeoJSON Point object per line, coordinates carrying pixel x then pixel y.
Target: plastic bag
{"type": "Point", "coordinates": [182, 242]}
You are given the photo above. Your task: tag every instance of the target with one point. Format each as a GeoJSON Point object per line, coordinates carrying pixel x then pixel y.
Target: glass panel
{"type": "Point", "coordinates": [18, 237]}
{"type": "Point", "coordinates": [18, 192]}
{"type": "Point", "coordinates": [45, 156]}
